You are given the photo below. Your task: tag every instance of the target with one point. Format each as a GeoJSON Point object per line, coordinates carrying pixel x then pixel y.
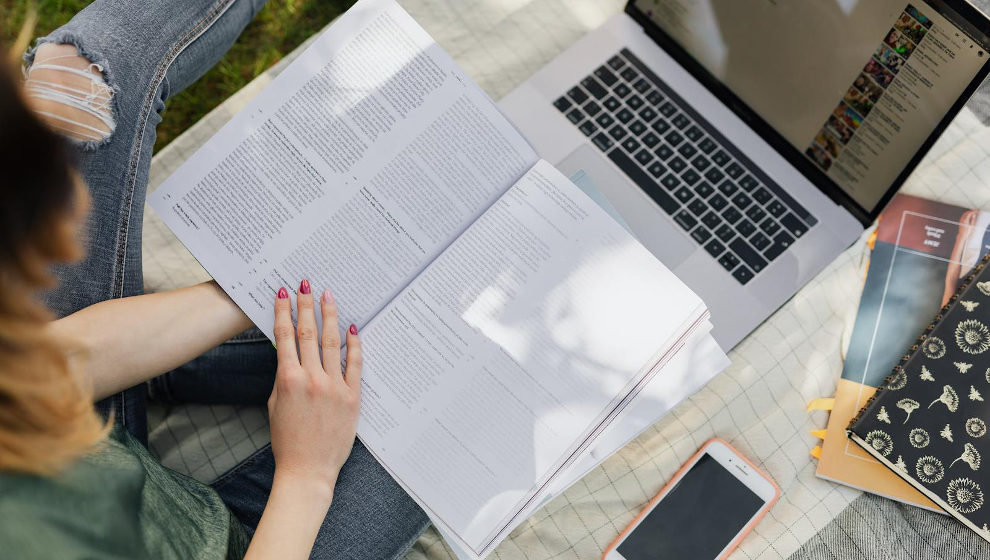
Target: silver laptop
{"type": "Point", "coordinates": [748, 142]}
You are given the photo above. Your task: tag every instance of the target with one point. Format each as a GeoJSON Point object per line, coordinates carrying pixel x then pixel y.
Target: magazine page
{"type": "Point", "coordinates": [497, 366]}
{"type": "Point", "coordinates": [922, 250]}
{"type": "Point", "coordinates": [354, 168]}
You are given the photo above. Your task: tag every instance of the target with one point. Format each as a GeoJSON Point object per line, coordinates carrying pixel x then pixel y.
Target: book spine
{"type": "Point", "coordinates": [921, 339]}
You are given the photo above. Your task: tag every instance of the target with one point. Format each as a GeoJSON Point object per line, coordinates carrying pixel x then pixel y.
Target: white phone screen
{"type": "Point", "coordinates": [697, 518]}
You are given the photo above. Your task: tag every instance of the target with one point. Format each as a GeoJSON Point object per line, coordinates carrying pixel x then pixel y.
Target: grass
{"type": "Point", "coordinates": [278, 29]}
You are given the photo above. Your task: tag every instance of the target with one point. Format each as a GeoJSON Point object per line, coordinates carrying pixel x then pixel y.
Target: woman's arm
{"type": "Point", "coordinates": [119, 343]}
{"type": "Point", "coordinates": [313, 411]}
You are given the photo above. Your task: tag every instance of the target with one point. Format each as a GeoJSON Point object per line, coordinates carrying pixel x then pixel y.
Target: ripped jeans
{"type": "Point", "coordinates": [136, 54]}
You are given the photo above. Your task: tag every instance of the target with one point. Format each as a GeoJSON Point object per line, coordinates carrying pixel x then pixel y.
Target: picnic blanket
{"type": "Point", "coordinates": [757, 404]}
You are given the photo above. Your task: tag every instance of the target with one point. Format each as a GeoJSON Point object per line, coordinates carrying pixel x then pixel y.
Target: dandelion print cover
{"type": "Point", "coordinates": [928, 423]}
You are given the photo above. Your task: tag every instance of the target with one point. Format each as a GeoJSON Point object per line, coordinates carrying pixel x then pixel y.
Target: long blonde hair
{"type": "Point", "coordinates": [47, 419]}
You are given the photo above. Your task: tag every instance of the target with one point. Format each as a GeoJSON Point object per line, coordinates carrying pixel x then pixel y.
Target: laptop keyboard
{"type": "Point", "coordinates": [710, 189]}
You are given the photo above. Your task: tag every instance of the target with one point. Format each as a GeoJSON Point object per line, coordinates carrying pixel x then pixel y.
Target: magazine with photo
{"type": "Point", "coordinates": [921, 251]}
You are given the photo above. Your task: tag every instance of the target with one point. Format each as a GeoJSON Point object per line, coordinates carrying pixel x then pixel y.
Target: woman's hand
{"type": "Point", "coordinates": [313, 408]}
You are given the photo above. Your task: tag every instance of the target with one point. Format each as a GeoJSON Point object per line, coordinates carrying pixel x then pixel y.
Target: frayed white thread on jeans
{"type": "Point", "coordinates": [94, 101]}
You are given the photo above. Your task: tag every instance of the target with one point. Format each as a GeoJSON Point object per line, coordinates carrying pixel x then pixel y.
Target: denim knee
{"type": "Point", "coordinates": [70, 89]}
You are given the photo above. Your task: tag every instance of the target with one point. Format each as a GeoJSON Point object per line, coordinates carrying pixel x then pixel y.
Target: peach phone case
{"type": "Point", "coordinates": [742, 533]}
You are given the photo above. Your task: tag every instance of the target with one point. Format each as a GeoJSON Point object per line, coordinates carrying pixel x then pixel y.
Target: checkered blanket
{"type": "Point", "coordinates": [757, 403]}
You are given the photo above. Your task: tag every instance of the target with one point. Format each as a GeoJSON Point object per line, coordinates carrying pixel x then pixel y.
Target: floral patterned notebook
{"type": "Point", "coordinates": [928, 423]}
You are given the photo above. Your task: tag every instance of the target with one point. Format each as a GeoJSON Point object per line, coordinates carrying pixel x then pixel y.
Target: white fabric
{"type": "Point", "coordinates": [757, 404]}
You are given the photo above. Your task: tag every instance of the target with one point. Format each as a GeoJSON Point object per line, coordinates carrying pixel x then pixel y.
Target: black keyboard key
{"type": "Point", "coordinates": [697, 207]}
{"type": "Point", "coordinates": [644, 157]}
{"type": "Point", "coordinates": [780, 244]}
{"type": "Point", "coordinates": [717, 202]}
{"type": "Point", "coordinates": [742, 274]}
{"type": "Point", "coordinates": [604, 120]}
{"type": "Point", "coordinates": [760, 241]}
{"type": "Point", "coordinates": [612, 104]}
{"type": "Point", "coordinates": [668, 109]}
{"type": "Point", "coordinates": [616, 62]}
{"type": "Point", "coordinates": [746, 228]}
{"type": "Point", "coordinates": [701, 163]}
{"type": "Point", "coordinates": [629, 74]}
{"type": "Point", "coordinates": [674, 138]}
{"type": "Point", "coordinates": [664, 152]}
{"type": "Point", "coordinates": [704, 189]}
{"type": "Point", "coordinates": [728, 188]}
{"type": "Point", "coordinates": [656, 169]}
{"type": "Point", "coordinates": [641, 85]}
{"type": "Point", "coordinates": [606, 76]}
{"type": "Point", "coordinates": [700, 234]}
{"type": "Point", "coordinates": [714, 175]}
{"type": "Point", "coordinates": [685, 220]}
{"type": "Point", "coordinates": [677, 164]}
{"type": "Point", "coordinates": [622, 90]}
{"type": "Point", "coordinates": [562, 104]}
{"type": "Point", "coordinates": [630, 144]}
{"type": "Point", "coordinates": [794, 225]}
{"type": "Point", "coordinates": [731, 215]}
{"type": "Point", "coordinates": [637, 128]}
{"type": "Point", "coordinates": [756, 213]}
{"type": "Point", "coordinates": [748, 255]}
{"type": "Point", "coordinates": [707, 145]}
{"type": "Point", "coordinates": [592, 108]}
{"type": "Point", "coordinates": [655, 97]}
{"type": "Point", "coordinates": [725, 232]}
{"type": "Point", "coordinates": [647, 114]}
{"type": "Point", "coordinates": [651, 140]}
{"type": "Point", "coordinates": [728, 261]}
{"type": "Point", "coordinates": [624, 115]}
{"type": "Point", "coordinates": [577, 94]}
{"type": "Point", "coordinates": [691, 177]}
{"type": "Point", "coordinates": [575, 115]}
{"type": "Point", "coordinates": [617, 132]}
{"type": "Point", "coordinates": [593, 87]}
{"type": "Point", "coordinates": [714, 248]}
{"type": "Point", "coordinates": [661, 126]}
{"type": "Point", "coordinates": [769, 226]}
{"type": "Point", "coordinates": [711, 220]}
{"type": "Point", "coordinates": [680, 121]}
{"type": "Point", "coordinates": [644, 181]}
{"type": "Point", "coordinates": [762, 195]}
{"type": "Point", "coordinates": [635, 102]}
{"type": "Point", "coordinates": [602, 141]}
{"type": "Point", "coordinates": [734, 170]}
{"type": "Point", "coordinates": [694, 133]}
{"type": "Point", "coordinates": [687, 150]}
{"type": "Point", "coordinates": [721, 158]}
{"type": "Point", "coordinates": [776, 209]}
{"type": "Point", "coordinates": [670, 181]}
{"type": "Point", "coordinates": [683, 194]}
{"type": "Point", "coordinates": [748, 183]}
{"type": "Point", "coordinates": [588, 128]}
{"type": "Point", "coordinates": [742, 201]}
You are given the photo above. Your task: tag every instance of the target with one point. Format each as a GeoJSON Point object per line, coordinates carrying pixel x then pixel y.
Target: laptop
{"type": "Point", "coordinates": [748, 142]}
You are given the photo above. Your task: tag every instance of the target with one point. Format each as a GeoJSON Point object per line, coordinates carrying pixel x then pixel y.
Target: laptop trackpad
{"type": "Point", "coordinates": [648, 222]}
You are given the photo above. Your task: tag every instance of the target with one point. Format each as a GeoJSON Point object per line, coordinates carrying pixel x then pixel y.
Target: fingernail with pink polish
{"type": "Point", "coordinates": [283, 293]}
{"type": "Point", "coordinates": [327, 296]}
{"type": "Point", "coordinates": [304, 287]}
{"type": "Point", "coordinates": [353, 329]}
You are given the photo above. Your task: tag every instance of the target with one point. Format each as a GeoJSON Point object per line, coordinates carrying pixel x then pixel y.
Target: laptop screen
{"type": "Point", "coordinates": [856, 86]}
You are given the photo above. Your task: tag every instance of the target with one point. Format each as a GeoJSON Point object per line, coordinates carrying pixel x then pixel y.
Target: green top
{"type": "Point", "coordinates": [117, 503]}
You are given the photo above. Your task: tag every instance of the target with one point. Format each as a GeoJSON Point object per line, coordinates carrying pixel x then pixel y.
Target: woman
{"type": "Point", "coordinates": [72, 485]}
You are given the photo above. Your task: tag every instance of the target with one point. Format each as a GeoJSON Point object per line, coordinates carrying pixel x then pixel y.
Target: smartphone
{"type": "Point", "coordinates": [712, 502]}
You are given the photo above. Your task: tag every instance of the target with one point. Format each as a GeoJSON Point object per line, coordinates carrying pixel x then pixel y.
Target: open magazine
{"type": "Point", "coordinates": [922, 250]}
{"type": "Point", "coordinates": [515, 334]}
